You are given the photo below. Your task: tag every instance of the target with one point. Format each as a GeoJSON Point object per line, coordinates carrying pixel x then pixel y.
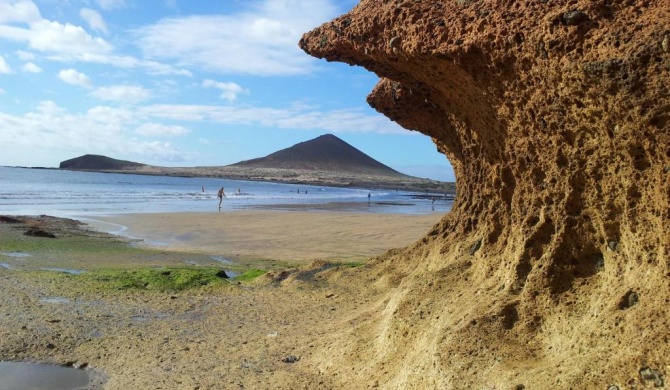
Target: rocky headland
{"type": "Point", "coordinates": [552, 269]}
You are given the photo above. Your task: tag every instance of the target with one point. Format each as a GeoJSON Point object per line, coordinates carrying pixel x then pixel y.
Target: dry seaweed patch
{"type": "Point", "coordinates": [554, 117]}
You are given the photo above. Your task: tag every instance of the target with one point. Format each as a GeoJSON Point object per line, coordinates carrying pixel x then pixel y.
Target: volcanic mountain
{"type": "Point", "coordinates": [96, 162]}
{"type": "Point", "coordinates": [325, 160]}
{"type": "Point", "coordinates": [326, 152]}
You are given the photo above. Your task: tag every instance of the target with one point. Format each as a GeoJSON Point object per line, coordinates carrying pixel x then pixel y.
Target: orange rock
{"type": "Point", "coordinates": [556, 119]}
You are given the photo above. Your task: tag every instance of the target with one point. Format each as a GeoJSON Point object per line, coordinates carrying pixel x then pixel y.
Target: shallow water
{"type": "Point", "coordinates": [55, 300]}
{"type": "Point", "coordinates": [222, 259]}
{"type": "Point", "coordinates": [86, 194]}
{"type": "Point", "coordinates": [15, 254]}
{"type": "Point", "coordinates": [65, 270]}
{"type": "Point", "coordinates": [22, 375]}
{"type": "Point", "coordinates": [6, 266]}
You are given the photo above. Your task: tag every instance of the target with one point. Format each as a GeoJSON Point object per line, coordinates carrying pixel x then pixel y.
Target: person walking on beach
{"type": "Point", "coordinates": [369, 195]}
{"type": "Point", "coordinates": [221, 195]}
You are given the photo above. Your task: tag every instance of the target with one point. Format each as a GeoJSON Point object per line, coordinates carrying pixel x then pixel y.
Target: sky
{"type": "Point", "coordinates": [184, 83]}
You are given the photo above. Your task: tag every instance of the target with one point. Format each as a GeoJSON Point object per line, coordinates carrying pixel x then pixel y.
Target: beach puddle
{"type": "Point", "coordinates": [221, 259]}
{"type": "Point", "coordinates": [139, 319]}
{"type": "Point", "coordinates": [55, 300]}
{"type": "Point", "coordinates": [22, 375]}
{"type": "Point", "coordinates": [65, 270]}
{"type": "Point", "coordinates": [18, 255]}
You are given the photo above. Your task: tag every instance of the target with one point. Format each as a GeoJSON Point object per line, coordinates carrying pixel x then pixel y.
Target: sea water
{"type": "Point", "coordinates": [63, 193]}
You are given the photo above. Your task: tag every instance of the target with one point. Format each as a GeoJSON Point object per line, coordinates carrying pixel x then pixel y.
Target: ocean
{"type": "Point", "coordinates": [74, 194]}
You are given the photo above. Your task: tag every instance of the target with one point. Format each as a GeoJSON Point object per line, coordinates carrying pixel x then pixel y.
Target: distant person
{"type": "Point", "coordinates": [369, 195]}
{"type": "Point", "coordinates": [203, 189]}
{"type": "Point", "coordinates": [221, 195]}
{"type": "Point", "coordinates": [298, 190]}
{"type": "Point", "coordinates": [239, 191]}
{"type": "Point", "coordinates": [432, 199]}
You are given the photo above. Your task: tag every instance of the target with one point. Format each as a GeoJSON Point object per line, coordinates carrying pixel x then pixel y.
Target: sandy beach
{"type": "Point", "coordinates": [291, 236]}
{"type": "Point", "coordinates": [272, 332]}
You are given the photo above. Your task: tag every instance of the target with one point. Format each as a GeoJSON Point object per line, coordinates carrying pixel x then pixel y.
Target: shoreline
{"type": "Point", "coordinates": [293, 236]}
{"type": "Point", "coordinates": [313, 178]}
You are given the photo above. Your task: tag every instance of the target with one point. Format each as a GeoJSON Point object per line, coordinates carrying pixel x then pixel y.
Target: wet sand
{"type": "Point", "coordinates": [281, 235]}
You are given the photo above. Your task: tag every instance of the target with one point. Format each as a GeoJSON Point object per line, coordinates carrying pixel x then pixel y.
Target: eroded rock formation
{"type": "Point", "coordinates": [552, 270]}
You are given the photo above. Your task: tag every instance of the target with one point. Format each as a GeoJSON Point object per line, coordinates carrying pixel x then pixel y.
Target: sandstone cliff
{"type": "Point", "coordinates": [552, 270]}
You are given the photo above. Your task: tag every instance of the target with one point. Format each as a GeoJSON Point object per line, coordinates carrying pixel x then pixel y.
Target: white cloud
{"type": "Point", "coordinates": [65, 40]}
{"type": "Point", "coordinates": [51, 130]}
{"type": "Point", "coordinates": [261, 41]}
{"type": "Point", "coordinates": [73, 77]}
{"type": "Point", "coordinates": [122, 93]}
{"type": "Point", "coordinates": [109, 5]}
{"type": "Point", "coordinates": [31, 68]}
{"type": "Point", "coordinates": [70, 43]}
{"type": "Point", "coordinates": [22, 11]}
{"type": "Point", "coordinates": [4, 66]}
{"type": "Point", "coordinates": [157, 129]}
{"type": "Point", "coordinates": [94, 20]}
{"type": "Point", "coordinates": [105, 114]}
{"type": "Point", "coordinates": [336, 121]}
{"type": "Point", "coordinates": [25, 56]}
{"type": "Point", "coordinates": [229, 91]}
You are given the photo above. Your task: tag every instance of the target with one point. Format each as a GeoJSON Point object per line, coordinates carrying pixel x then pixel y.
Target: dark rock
{"type": "Point", "coordinates": [599, 262]}
{"type": "Point", "coordinates": [222, 274]}
{"type": "Point", "coordinates": [649, 374]}
{"type": "Point", "coordinates": [574, 17]}
{"type": "Point", "coordinates": [475, 247]}
{"type": "Point", "coordinates": [629, 299]}
{"type": "Point", "coordinates": [50, 346]}
{"type": "Point", "coordinates": [35, 232]}
{"type": "Point", "coordinates": [291, 359]}
{"type": "Point", "coordinates": [612, 245]}
{"type": "Point", "coordinates": [6, 219]}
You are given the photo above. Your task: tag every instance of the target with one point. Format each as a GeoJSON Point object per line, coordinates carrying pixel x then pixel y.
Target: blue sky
{"type": "Point", "coordinates": [184, 83]}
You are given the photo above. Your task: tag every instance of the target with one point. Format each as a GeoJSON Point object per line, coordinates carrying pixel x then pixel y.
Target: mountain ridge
{"type": "Point", "coordinates": [325, 160]}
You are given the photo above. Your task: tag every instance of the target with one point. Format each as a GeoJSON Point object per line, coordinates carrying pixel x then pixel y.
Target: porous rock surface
{"type": "Point", "coordinates": [552, 269]}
